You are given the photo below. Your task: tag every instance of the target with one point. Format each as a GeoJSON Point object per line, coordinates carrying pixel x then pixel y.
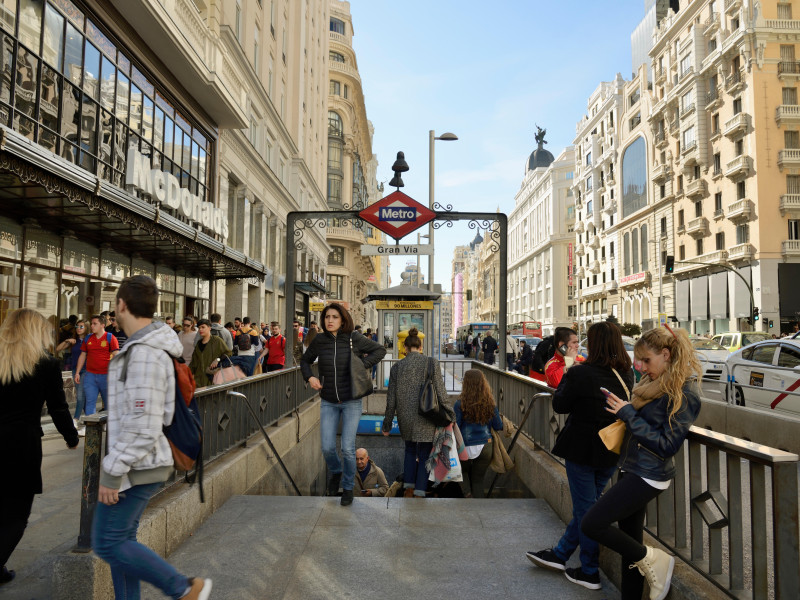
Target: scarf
{"type": "Point", "coordinates": [645, 392]}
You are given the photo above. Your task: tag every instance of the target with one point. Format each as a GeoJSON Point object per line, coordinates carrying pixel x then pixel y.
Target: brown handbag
{"type": "Point", "coordinates": [613, 434]}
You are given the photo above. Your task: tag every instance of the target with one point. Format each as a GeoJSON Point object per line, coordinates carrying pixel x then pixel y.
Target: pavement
{"type": "Point", "coordinates": [308, 548]}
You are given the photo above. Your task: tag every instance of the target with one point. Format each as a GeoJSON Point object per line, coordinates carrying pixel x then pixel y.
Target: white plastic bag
{"type": "Point", "coordinates": [454, 474]}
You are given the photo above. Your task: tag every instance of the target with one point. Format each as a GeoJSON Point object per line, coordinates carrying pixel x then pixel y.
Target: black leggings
{"type": "Point", "coordinates": [15, 508]}
{"type": "Point", "coordinates": [625, 503]}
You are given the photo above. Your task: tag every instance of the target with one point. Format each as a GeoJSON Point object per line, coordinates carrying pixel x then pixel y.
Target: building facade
{"type": "Point", "coordinates": [351, 168]}
{"type": "Point", "coordinates": [540, 241]}
{"type": "Point", "coordinates": [727, 136]}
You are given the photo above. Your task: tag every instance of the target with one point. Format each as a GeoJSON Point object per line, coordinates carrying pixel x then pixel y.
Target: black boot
{"type": "Point", "coordinates": [6, 575]}
{"type": "Point", "coordinates": [333, 484]}
{"type": "Point", "coordinates": [347, 497]}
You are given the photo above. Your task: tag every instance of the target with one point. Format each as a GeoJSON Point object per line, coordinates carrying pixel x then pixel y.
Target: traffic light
{"type": "Point", "coordinates": [669, 267]}
{"type": "Point", "coordinates": [771, 323]}
{"type": "Point", "coordinates": [469, 295]}
{"type": "Point", "coordinates": [755, 313]}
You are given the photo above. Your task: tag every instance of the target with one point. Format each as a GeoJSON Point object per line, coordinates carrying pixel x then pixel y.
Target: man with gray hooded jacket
{"type": "Point", "coordinates": [141, 390]}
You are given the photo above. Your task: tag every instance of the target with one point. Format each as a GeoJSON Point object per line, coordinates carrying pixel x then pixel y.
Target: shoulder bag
{"type": "Point", "coordinates": [360, 380]}
{"type": "Point", "coordinates": [613, 434]}
{"type": "Point", "coordinates": [430, 405]}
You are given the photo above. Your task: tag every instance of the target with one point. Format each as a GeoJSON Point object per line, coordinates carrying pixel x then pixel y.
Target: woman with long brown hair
{"type": "Point", "coordinates": [666, 402]}
{"type": "Point", "coordinates": [29, 378]}
{"type": "Point", "coordinates": [476, 412]}
{"type": "Point", "coordinates": [589, 464]}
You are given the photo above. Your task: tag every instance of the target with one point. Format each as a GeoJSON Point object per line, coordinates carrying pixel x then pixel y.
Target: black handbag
{"type": "Point", "coordinates": [360, 380]}
{"type": "Point", "coordinates": [430, 405]}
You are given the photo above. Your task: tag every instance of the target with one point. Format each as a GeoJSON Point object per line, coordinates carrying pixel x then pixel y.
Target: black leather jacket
{"type": "Point", "coordinates": [652, 439]}
{"type": "Point", "coordinates": [334, 362]}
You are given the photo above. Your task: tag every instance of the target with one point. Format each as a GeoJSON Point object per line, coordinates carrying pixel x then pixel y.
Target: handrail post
{"type": "Point", "coordinates": [785, 531]}
{"type": "Point", "coordinates": [92, 451]}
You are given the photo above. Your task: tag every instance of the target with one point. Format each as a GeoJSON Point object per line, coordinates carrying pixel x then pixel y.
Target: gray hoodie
{"type": "Point", "coordinates": [141, 400]}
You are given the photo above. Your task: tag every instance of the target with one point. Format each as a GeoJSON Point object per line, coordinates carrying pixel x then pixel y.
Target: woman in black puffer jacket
{"type": "Point", "coordinates": [334, 347]}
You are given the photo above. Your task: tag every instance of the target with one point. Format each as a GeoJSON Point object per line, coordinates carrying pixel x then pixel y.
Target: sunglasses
{"type": "Point", "coordinates": [81, 326]}
{"type": "Point", "coordinates": [187, 324]}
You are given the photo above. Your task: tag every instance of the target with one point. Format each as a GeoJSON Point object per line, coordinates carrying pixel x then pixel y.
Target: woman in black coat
{"type": "Point", "coordinates": [589, 463]}
{"type": "Point", "coordinates": [335, 347]}
{"type": "Point", "coordinates": [29, 377]}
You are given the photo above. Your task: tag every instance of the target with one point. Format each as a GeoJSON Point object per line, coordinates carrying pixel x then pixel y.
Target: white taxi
{"type": "Point", "coordinates": [712, 359]}
{"type": "Point", "coordinates": [766, 375]}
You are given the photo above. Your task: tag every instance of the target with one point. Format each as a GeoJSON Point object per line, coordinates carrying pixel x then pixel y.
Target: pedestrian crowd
{"type": "Point", "coordinates": [613, 425]}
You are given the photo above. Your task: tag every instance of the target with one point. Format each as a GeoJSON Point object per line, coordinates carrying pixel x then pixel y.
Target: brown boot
{"type": "Point", "coordinates": [408, 493]}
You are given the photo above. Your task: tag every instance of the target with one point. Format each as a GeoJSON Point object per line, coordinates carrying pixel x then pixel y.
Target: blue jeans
{"type": "Point", "coordinates": [80, 396]}
{"type": "Point", "coordinates": [586, 484]}
{"type": "Point", "coordinates": [114, 540]}
{"type": "Point", "coordinates": [349, 412]}
{"type": "Point", "coordinates": [246, 363]}
{"type": "Point", "coordinates": [415, 475]}
{"type": "Point", "coordinates": [94, 384]}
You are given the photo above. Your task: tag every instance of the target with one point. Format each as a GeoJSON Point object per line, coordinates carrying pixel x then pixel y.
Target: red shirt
{"type": "Point", "coordinates": [98, 352]}
{"type": "Point", "coordinates": [275, 346]}
{"type": "Point", "coordinates": [554, 369]}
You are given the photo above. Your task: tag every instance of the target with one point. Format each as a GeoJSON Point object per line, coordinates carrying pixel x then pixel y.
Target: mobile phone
{"type": "Point", "coordinates": [563, 349]}
{"type": "Point", "coordinates": [606, 393]}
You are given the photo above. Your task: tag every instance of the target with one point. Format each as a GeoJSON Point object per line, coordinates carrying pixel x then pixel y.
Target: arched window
{"type": "Point", "coordinates": [336, 56]}
{"type": "Point", "coordinates": [634, 177]}
{"type": "Point", "coordinates": [635, 250]}
{"type": "Point", "coordinates": [644, 247]}
{"type": "Point", "coordinates": [335, 125]}
{"type": "Point", "coordinates": [626, 253]}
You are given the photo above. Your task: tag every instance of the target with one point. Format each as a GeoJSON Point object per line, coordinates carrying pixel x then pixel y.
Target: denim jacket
{"type": "Point", "coordinates": [652, 438]}
{"type": "Point", "coordinates": [476, 433]}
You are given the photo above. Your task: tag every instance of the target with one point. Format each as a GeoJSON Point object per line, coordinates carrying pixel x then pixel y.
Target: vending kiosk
{"type": "Point", "coordinates": [399, 309]}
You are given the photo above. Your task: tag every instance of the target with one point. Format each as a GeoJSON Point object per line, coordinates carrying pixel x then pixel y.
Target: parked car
{"type": "Point", "coordinates": [733, 340]}
{"type": "Point", "coordinates": [712, 358]}
{"type": "Point", "coordinates": [766, 375]}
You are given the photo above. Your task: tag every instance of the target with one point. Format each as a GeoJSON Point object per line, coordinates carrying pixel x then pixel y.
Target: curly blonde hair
{"type": "Point", "coordinates": [683, 363]}
{"type": "Point", "coordinates": [477, 401]}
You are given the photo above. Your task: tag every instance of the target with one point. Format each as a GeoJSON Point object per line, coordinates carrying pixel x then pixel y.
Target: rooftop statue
{"type": "Point", "coordinates": [540, 133]}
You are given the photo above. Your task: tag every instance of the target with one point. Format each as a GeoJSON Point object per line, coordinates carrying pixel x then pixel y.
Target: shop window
{"type": "Point", "coordinates": [335, 286]}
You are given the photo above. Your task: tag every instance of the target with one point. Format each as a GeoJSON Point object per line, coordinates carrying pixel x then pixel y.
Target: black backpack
{"type": "Point", "coordinates": [543, 352]}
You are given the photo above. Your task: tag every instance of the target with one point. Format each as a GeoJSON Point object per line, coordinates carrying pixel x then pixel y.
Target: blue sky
{"type": "Point", "coordinates": [486, 71]}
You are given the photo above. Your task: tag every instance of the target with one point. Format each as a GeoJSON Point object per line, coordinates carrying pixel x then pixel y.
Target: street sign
{"type": "Point", "coordinates": [401, 250]}
{"type": "Point", "coordinates": [397, 215]}
{"type": "Point", "coordinates": [316, 306]}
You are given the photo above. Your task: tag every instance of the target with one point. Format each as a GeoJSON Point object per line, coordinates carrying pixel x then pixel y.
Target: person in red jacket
{"type": "Point", "coordinates": [566, 355]}
{"type": "Point", "coordinates": [275, 348]}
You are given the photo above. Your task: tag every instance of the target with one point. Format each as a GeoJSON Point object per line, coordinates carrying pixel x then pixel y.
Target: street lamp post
{"type": "Point", "coordinates": [445, 137]}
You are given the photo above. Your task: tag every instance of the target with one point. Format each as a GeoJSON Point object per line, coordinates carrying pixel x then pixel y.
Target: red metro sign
{"type": "Point", "coordinates": [397, 215]}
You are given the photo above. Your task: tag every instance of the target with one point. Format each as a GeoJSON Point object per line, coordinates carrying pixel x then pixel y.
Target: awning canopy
{"type": "Point", "coordinates": [111, 216]}
{"type": "Point", "coordinates": [310, 287]}
{"type": "Point", "coordinates": [402, 292]}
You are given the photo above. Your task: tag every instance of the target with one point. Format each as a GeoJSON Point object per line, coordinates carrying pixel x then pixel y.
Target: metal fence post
{"type": "Point", "coordinates": [785, 529]}
{"type": "Point", "coordinates": [92, 451]}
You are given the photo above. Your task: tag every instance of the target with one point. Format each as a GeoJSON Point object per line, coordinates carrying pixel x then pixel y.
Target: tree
{"type": "Point", "coordinates": [630, 329]}
{"type": "Point", "coordinates": [613, 319]}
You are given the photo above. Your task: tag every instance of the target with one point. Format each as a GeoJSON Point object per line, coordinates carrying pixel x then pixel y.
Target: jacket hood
{"type": "Point", "coordinates": [216, 326]}
{"type": "Point", "coordinates": [158, 336]}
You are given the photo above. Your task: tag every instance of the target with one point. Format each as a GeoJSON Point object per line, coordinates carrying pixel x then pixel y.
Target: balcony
{"type": "Point", "coordinates": [580, 249]}
{"type": "Point", "coordinates": [716, 173]}
{"type": "Point", "coordinates": [736, 127]}
{"type": "Point", "coordinates": [579, 227]}
{"type": "Point", "coordinates": [732, 6]}
{"type": "Point", "coordinates": [741, 252]}
{"type": "Point", "coordinates": [740, 167]}
{"type": "Point", "coordinates": [790, 205]}
{"type": "Point", "coordinates": [345, 69]}
{"type": "Point", "coordinates": [610, 207]}
{"type": "Point", "coordinates": [711, 25]}
{"type": "Point", "coordinates": [580, 272]}
{"type": "Point", "coordinates": [687, 71]}
{"type": "Point", "coordinates": [713, 99]}
{"type": "Point", "coordinates": [595, 266]}
{"type": "Point", "coordinates": [346, 233]}
{"type": "Point", "coordinates": [734, 82]}
{"type": "Point", "coordinates": [595, 243]}
{"type": "Point", "coordinates": [611, 286]}
{"type": "Point", "coordinates": [788, 69]}
{"type": "Point", "coordinates": [789, 158]}
{"type": "Point", "coordinates": [787, 113]}
{"type": "Point", "coordinates": [660, 75]}
{"type": "Point", "coordinates": [740, 211]}
{"type": "Point", "coordinates": [791, 248]}
{"type": "Point", "coordinates": [687, 109]}
{"type": "Point", "coordinates": [696, 188]}
{"type": "Point", "coordinates": [710, 258]}
{"type": "Point", "coordinates": [660, 174]}
{"type": "Point", "coordinates": [611, 182]}
{"type": "Point", "coordinates": [697, 227]}
{"type": "Point", "coordinates": [661, 139]}
{"type": "Point", "coordinates": [690, 153]}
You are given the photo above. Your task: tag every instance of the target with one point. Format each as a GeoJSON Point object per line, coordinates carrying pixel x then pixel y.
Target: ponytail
{"type": "Point", "coordinates": [683, 363]}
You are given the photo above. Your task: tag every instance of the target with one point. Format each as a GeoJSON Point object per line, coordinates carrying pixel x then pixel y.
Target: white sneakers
{"type": "Point", "coordinates": [657, 568]}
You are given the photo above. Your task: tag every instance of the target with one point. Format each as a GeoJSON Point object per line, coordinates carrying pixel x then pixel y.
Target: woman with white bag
{"type": "Point", "coordinates": [476, 412]}
{"type": "Point", "coordinates": [406, 380]}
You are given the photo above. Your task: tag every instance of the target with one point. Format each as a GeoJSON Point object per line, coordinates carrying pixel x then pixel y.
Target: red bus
{"type": "Point", "coordinates": [526, 329]}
